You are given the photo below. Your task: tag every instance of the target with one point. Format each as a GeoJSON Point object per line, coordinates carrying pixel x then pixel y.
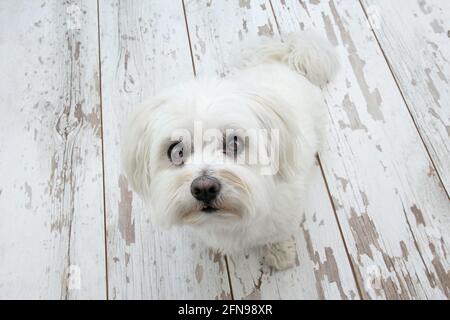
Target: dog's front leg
{"type": "Point", "coordinates": [280, 255]}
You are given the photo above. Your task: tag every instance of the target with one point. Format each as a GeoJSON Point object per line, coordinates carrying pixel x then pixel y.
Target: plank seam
{"type": "Point", "coordinates": [341, 233]}
{"type": "Point", "coordinates": [275, 17]}
{"type": "Point", "coordinates": [189, 38]}
{"type": "Point", "coordinates": [65, 294]}
{"type": "Point", "coordinates": [404, 99]}
{"type": "Point", "coordinates": [103, 150]}
{"type": "Point", "coordinates": [229, 277]}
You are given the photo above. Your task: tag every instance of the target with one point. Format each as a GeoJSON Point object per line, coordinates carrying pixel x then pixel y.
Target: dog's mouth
{"type": "Point", "coordinates": [209, 209]}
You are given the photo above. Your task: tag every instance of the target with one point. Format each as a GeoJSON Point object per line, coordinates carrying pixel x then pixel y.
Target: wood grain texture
{"type": "Point", "coordinates": [218, 32]}
{"type": "Point", "coordinates": [144, 47]}
{"type": "Point", "coordinates": [414, 37]}
{"type": "Point", "coordinates": [393, 210]}
{"type": "Point", "coordinates": [382, 233]}
{"type": "Point", "coordinates": [51, 221]}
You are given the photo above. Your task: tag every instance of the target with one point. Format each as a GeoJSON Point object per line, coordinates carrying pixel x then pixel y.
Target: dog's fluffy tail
{"type": "Point", "coordinates": [306, 54]}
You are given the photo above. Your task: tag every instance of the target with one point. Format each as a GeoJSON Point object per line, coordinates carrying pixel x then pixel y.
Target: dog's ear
{"type": "Point", "coordinates": [136, 143]}
{"type": "Point", "coordinates": [291, 149]}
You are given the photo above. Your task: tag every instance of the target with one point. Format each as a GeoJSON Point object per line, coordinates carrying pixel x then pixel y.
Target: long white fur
{"type": "Point", "coordinates": [276, 89]}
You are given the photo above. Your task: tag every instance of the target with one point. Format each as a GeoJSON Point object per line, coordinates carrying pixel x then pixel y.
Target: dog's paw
{"type": "Point", "coordinates": [280, 255]}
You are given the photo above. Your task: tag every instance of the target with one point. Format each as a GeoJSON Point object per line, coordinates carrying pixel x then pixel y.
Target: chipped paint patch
{"type": "Point", "coordinates": [199, 273]}
{"type": "Point", "coordinates": [266, 30]}
{"type": "Point", "coordinates": [331, 35]}
{"type": "Point", "coordinates": [442, 274]}
{"type": "Point", "coordinates": [364, 233]}
{"type": "Point", "coordinates": [224, 296]}
{"type": "Point", "coordinates": [344, 182]}
{"type": "Point", "coordinates": [256, 292]}
{"type": "Point", "coordinates": [326, 270]}
{"type": "Point", "coordinates": [364, 198]}
{"type": "Point", "coordinates": [254, 295]}
{"type": "Point", "coordinates": [217, 257]}
{"type": "Point", "coordinates": [244, 4]}
{"type": "Point", "coordinates": [126, 222]}
{"type": "Point", "coordinates": [354, 121]}
{"type": "Point", "coordinates": [418, 215]}
{"type": "Point", "coordinates": [29, 196]}
{"type": "Point", "coordinates": [425, 9]}
{"type": "Point", "coordinates": [432, 87]}
{"type": "Point", "coordinates": [404, 250]}
{"type": "Point", "coordinates": [76, 54]}
{"type": "Point", "coordinates": [200, 41]}
{"type": "Point", "coordinates": [373, 98]}
{"type": "Point", "coordinates": [437, 27]}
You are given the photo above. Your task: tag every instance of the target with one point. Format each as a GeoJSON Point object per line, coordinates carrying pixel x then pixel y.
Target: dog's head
{"type": "Point", "coordinates": [207, 154]}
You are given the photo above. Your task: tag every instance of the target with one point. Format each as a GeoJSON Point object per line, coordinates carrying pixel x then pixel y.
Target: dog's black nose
{"type": "Point", "coordinates": [205, 188]}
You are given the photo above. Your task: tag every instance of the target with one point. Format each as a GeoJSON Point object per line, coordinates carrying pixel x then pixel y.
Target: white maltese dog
{"type": "Point", "coordinates": [230, 157]}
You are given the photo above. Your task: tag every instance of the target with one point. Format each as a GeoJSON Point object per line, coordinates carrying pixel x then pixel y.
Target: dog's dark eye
{"type": "Point", "coordinates": [176, 153]}
{"type": "Point", "coordinates": [233, 145]}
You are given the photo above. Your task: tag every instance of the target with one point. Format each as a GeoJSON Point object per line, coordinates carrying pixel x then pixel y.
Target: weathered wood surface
{"type": "Point", "coordinates": [416, 42]}
{"type": "Point", "coordinates": [391, 206]}
{"type": "Point", "coordinates": [144, 47]}
{"type": "Point", "coordinates": [51, 190]}
{"type": "Point", "coordinates": [382, 232]}
{"type": "Point", "coordinates": [218, 32]}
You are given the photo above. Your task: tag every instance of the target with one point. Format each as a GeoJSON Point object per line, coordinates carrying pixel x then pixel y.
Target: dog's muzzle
{"type": "Point", "coordinates": [205, 189]}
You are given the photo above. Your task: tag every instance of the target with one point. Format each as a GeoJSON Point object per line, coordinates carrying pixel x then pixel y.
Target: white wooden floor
{"type": "Point", "coordinates": [377, 224]}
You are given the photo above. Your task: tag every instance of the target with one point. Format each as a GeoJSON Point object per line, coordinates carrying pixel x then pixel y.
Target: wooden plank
{"type": "Point", "coordinates": [51, 189]}
{"type": "Point", "coordinates": [144, 47]}
{"type": "Point", "coordinates": [393, 210]}
{"type": "Point", "coordinates": [218, 30]}
{"type": "Point", "coordinates": [419, 57]}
